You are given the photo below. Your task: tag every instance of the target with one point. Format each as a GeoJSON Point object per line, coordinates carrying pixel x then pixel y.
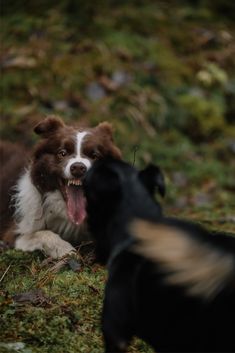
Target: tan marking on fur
{"type": "Point", "coordinates": [186, 261]}
{"type": "Point", "coordinates": [9, 236]}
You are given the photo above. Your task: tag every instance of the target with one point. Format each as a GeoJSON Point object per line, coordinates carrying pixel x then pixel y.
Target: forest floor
{"type": "Point", "coordinates": [163, 74]}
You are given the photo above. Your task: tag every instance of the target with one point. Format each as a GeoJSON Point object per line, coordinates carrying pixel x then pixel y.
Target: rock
{"type": "Point", "coordinates": [232, 146]}
{"type": "Point", "coordinates": [18, 347]}
{"type": "Point", "coordinates": [21, 62]}
{"type": "Point", "coordinates": [181, 202]}
{"type": "Point", "coordinates": [95, 91]}
{"type": "Point", "coordinates": [179, 179]}
{"type": "Point", "coordinates": [121, 78]}
{"type": "Point", "coordinates": [61, 105]}
{"type": "Point", "coordinates": [201, 199]}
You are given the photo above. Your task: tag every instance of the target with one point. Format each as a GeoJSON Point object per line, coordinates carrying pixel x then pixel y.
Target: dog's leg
{"type": "Point", "coordinates": [116, 333]}
{"type": "Point", "coordinates": [45, 240]}
{"type": "Point", "coordinates": [117, 322]}
{"type": "Point", "coordinates": [111, 347]}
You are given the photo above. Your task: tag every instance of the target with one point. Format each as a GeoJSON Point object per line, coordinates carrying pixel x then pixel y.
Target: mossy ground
{"type": "Point", "coordinates": [163, 74]}
{"type": "Point", "coordinates": [65, 316]}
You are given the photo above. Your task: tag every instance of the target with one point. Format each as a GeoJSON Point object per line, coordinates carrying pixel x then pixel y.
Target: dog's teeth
{"type": "Point", "coordinates": [74, 182]}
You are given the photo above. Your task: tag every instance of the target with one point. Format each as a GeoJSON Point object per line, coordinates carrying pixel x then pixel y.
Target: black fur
{"type": "Point", "coordinates": [138, 301]}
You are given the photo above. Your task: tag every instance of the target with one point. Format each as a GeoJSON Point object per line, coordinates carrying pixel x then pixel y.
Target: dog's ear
{"type": "Point", "coordinates": [48, 126]}
{"type": "Point", "coordinates": [153, 179]}
{"type": "Point", "coordinates": [106, 129]}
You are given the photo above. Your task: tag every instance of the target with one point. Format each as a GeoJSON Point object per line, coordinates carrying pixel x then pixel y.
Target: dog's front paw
{"type": "Point", "coordinates": [61, 249]}
{"type": "Point", "coordinates": [47, 241]}
{"type": "Point", "coordinates": [54, 246]}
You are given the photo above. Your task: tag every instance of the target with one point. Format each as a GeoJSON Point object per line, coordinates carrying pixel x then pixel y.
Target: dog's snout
{"type": "Point", "coordinates": [78, 169]}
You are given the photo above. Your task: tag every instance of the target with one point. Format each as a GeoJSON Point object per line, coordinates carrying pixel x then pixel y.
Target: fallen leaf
{"type": "Point", "coordinates": [22, 62]}
{"type": "Point", "coordinates": [35, 297]}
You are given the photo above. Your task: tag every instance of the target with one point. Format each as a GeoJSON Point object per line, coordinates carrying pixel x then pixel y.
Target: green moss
{"type": "Point", "coordinates": [68, 321]}
{"type": "Point", "coordinates": [203, 116]}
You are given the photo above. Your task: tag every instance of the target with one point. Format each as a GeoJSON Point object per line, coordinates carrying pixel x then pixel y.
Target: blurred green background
{"type": "Point", "coordinates": [163, 73]}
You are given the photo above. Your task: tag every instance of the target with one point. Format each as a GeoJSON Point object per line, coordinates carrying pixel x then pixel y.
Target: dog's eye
{"type": "Point", "coordinates": [62, 153]}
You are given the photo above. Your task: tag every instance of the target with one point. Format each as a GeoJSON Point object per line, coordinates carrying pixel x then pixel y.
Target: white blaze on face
{"type": "Point", "coordinates": [78, 155]}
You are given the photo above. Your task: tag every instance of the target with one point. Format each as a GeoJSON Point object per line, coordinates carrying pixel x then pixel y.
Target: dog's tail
{"type": "Point", "coordinates": [200, 267]}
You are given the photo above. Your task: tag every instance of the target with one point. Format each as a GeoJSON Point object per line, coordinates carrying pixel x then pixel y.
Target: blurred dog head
{"type": "Point", "coordinates": [117, 192]}
{"type": "Point", "coordinates": [110, 180]}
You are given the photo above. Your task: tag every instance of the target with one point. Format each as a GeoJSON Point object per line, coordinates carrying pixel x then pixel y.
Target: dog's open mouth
{"type": "Point", "coordinates": [75, 200]}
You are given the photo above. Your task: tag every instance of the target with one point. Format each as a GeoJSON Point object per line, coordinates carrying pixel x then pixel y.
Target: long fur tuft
{"type": "Point", "coordinates": [198, 266]}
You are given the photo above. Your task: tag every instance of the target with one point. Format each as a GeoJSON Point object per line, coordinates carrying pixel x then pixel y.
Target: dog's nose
{"type": "Point", "coordinates": [78, 169]}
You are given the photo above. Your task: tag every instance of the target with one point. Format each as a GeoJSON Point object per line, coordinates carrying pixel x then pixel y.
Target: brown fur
{"type": "Point", "coordinates": [47, 162]}
{"type": "Point", "coordinates": [13, 158]}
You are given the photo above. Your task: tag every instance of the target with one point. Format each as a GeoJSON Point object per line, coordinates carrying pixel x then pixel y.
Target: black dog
{"type": "Point", "coordinates": [170, 282]}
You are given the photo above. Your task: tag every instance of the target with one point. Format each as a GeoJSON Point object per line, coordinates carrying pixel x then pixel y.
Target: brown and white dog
{"type": "Point", "coordinates": [48, 200]}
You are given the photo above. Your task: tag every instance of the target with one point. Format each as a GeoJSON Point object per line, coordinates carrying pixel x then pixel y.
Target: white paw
{"type": "Point", "coordinates": [28, 243]}
{"type": "Point", "coordinates": [60, 249]}
{"type": "Point", "coordinates": [51, 243]}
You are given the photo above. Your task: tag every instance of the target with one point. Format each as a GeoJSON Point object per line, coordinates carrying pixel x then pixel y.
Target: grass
{"type": "Point", "coordinates": [65, 317]}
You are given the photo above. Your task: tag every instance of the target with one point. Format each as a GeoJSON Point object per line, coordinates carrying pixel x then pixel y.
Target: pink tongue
{"type": "Point", "coordinates": [76, 204]}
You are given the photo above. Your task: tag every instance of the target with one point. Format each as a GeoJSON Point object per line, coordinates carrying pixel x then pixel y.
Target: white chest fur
{"type": "Point", "coordinates": [35, 212]}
